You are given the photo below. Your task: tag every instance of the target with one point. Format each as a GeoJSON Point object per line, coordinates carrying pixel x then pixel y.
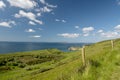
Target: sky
{"type": "Point", "coordinates": [59, 20]}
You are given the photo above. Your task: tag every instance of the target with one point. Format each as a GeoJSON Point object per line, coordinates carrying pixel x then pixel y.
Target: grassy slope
{"type": "Point", "coordinates": [102, 63]}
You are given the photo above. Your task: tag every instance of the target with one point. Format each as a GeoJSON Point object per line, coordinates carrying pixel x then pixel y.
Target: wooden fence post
{"type": "Point", "coordinates": [83, 56]}
{"type": "Point", "coordinates": [112, 44]}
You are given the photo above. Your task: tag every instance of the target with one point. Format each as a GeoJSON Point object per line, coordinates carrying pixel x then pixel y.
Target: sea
{"type": "Point", "coordinates": [11, 47]}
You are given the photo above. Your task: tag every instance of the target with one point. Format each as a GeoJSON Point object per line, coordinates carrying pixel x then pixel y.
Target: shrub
{"type": "Point", "coordinates": [15, 64]}
{"type": "Point", "coordinates": [21, 65]}
{"type": "Point", "coordinates": [29, 68]}
{"type": "Point", "coordinates": [94, 63]}
{"type": "Point", "coordinates": [3, 68]}
{"type": "Point", "coordinates": [10, 59]}
{"type": "Point", "coordinates": [2, 62]}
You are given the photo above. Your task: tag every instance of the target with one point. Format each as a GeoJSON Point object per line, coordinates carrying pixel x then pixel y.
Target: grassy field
{"type": "Point", "coordinates": [102, 63]}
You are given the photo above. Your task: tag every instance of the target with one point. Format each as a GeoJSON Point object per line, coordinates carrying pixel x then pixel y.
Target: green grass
{"type": "Point", "coordinates": [102, 63]}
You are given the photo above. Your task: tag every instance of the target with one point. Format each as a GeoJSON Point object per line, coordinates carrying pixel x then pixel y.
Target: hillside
{"type": "Point", "coordinates": [102, 63]}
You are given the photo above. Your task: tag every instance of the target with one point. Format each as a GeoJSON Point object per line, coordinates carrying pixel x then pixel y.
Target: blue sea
{"type": "Point", "coordinates": [10, 47]}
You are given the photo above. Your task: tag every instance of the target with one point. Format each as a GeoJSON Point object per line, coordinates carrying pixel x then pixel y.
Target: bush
{"type": "Point", "coordinates": [15, 64]}
{"type": "Point", "coordinates": [2, 62]}
{"type": "Point", "coordinates": [5, 68]}
{"type": "Point", "coordinates": [94, 63]}
{"type": "Point", "coordinates": [29, 68]}
{"type": "Point", "coordinates": [12, 64]}
{"type": "Point", "coordinates": [10, 59]}
{"type": "Point", "coordinates": [21, 65]}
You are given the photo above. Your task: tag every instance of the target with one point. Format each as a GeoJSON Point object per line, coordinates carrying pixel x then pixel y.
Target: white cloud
{"type": "Point", "coordinates": [110, 34]}
{"type": "Point", "coordinates": [118, 2]}
{"type": "Point", "coordinates": [36, 36]}
{"type": "Point", "coordinates": [38, 14]}
{"type": "Point", "coordinates": [12, 22]}
{"type": "Point", "coordinates": [117, 27]}
{"type": "Point", "coordinates": [31, 23]}
{"type": "Point", "coordinates": [68, 35]}
{"type": "Point", "coordinates": [87, 34]}
{"type": "Point", "coordinates": [7, 24]}
{"type": "Point", "coordinates": [24, 4]}
{"type": "Point", "coordinates": [2, 4]}
{"type": "Point", "coordinates": [40, 29]}
{"type": "Point", "coordinates": [47, 4]}
{"type": "Point", "coordinates": [37, 10]}
{"type": "Point", "coordinates": [45, 9]}
{"type": "Point", "coordinates": [57, 20]}
{"type": "Point", "coordinates": [87, 29]}
{"type": "Point", "coordinates": [77, 27]}
{"type": "Point", "coordinates": [28, 15]}
{"type": "Point", "coordinates": [17, 15]}
{"type": "Point", "coordinates": [43, 1]}
{"type": "Point", "coordinates": [63, 21]}
{"type": "Point", "coordinates": [30, 30]}
{"type": "Point", "coordinates": [100, 31]}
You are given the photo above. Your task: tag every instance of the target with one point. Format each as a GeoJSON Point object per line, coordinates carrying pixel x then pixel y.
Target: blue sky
{"type": "Point", "coordinates": [59, 20]}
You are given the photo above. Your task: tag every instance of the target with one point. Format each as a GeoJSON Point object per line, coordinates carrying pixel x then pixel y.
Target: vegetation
{"type": "Point", "coordinates": [102, 63]}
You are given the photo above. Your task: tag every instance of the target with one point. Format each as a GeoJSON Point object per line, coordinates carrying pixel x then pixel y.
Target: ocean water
{"type": "Point", "coordinates": [10, 47]}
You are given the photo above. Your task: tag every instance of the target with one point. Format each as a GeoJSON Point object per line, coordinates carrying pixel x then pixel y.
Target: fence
{"type": "Point", "coordinates": [83, 52]}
